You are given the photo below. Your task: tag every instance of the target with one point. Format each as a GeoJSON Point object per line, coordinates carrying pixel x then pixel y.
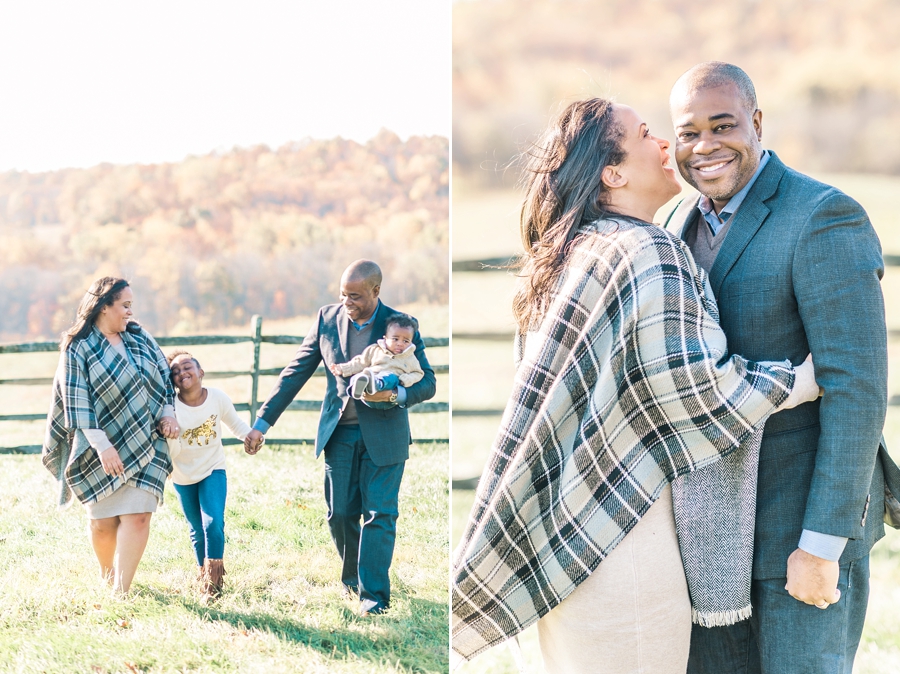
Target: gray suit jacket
{"type": "Point", "coordinates": [385, 432]}
{"type": "Point", "coordinates": [800, 272]}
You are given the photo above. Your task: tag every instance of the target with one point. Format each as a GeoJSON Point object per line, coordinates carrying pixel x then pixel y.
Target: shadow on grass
{"type": "Point", "coordinates": [412, 640]}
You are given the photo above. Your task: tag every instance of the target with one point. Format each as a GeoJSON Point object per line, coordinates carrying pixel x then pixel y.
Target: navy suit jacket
{"type": "Point", "coordinates": [385, 432]}
{"type": "Point", "coordinates": [798, 272]}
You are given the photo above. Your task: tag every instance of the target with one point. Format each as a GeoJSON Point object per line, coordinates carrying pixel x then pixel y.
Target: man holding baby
{"type": "Point", "coordinates": [366, 444]}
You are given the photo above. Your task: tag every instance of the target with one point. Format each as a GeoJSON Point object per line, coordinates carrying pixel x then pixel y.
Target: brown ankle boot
{"type": "Point", "coordinates": [213, 578]}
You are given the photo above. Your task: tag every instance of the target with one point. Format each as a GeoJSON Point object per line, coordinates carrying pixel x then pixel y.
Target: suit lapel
{"type": "Point", "coordinates": [683, 215]}
{"type": "Point", "coordinates": [378, 325]}
{"type": "Point", "coordinates": [747, 221]}
{"type": "Point", "coordinates": [343, 326]}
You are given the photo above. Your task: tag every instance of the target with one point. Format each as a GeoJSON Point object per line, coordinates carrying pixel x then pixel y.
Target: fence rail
{"type": "Point", "coordinates": [255, 372]}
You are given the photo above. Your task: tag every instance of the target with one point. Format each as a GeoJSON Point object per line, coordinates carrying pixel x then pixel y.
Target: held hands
{"type": "Point", "coordinates": [805, 387]}
{"type": "Point", "coordinates": [254, 441]}
{"type": "Point", "coordinates": [169, 428]}
{"type": "Point", "coordinates": [812, 580]}
{"type": "Point", "coordinates": [112, 464]}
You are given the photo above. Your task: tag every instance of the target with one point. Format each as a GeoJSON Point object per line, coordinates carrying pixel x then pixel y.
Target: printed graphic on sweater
{"type": "Point", "coordinates": [205, 430]}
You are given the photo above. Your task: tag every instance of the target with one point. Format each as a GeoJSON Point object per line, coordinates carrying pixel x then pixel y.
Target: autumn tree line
{"type": "Point", "coordinates": [210, 241]}
{"type": "Point", "coordinates": [827, 73]}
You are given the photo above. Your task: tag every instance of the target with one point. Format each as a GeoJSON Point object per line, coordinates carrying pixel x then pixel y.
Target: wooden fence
{"type": "Point", "coordinates": [257, 339]}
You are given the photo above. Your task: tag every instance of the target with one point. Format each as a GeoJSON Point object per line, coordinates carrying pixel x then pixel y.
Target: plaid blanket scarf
{"type": "Point", "coordinates": [95, 387]}
{"type": "Point", "coordinates": [625, 385]}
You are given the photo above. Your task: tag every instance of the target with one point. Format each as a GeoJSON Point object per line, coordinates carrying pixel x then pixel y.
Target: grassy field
{"type": "Point", "coordinates": [485, 224]}
{"type": "Point", "coordinates": [281, 611]}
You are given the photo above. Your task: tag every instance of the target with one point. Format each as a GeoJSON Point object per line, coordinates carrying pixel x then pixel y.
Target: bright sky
{"type": "Point", "coordinates": [111, 81]}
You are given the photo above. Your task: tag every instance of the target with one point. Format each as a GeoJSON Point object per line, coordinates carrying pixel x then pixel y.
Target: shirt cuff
{"type": "Point", "coordinates": [168, 411]}
{"type": "Point", "coordinates": [97, 438]}
{"type": "Point", "coordinates": [825, 546]}
{"type": "Point", "coordinates": [261, 425]}
{"type": "Point", "coordinates": [401, 396]}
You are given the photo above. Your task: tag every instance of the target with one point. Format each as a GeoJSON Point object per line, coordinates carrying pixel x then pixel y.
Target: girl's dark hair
{"type": "Point", "coordinates": [403, 321]}
{"type": "Point", "coordinates": [102, 293]}
{"type": "Point", "coordinates": [562, 181]}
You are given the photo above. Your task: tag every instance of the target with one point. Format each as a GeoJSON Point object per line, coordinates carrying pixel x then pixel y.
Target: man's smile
{"type": "Point", "coordinates": [712, 169]}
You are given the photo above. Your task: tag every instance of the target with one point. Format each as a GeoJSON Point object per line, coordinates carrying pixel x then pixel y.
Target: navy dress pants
{"type": "Point", "coordinates": [785, 636]}
{"type": "Point", "coordinates": [362, 515]}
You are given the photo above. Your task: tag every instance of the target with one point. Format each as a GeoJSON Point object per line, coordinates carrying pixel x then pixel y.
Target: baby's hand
{"type": "Point", "coordinates": [335, 369]}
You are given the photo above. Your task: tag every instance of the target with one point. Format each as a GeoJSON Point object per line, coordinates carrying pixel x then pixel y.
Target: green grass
{"type": "Point", "coordinates": [485, 224]}
{"type": "Point", "coordinates": [281, 611]}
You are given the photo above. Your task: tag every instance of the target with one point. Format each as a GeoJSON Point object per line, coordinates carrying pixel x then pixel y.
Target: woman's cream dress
{"type": "Point", "coordinates": [633, 614]}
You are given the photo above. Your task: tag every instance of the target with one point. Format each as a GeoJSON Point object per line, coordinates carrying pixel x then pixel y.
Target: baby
{"type": "Point", "coordinates": [390, 361]}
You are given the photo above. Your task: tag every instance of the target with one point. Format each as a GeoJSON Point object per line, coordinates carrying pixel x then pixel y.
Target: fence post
{"type": "Point", "coordinates": [256, 325]}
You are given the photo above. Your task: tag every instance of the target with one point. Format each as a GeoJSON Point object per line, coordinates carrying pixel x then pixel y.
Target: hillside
{"type": "Point", "coordinates": [214, 239]}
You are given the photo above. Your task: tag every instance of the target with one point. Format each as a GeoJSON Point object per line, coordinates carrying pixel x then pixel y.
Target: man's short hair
{"type": "Point", "coordinates": [716, 74]}
{"type": "Point", "coordinates": [364, 270]}
{"type": "Point", "coordinates": [402, 320]}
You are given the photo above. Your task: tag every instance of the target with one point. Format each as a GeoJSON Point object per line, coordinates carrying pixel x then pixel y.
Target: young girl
{"type": "Point", "coordinates": [198, 458]}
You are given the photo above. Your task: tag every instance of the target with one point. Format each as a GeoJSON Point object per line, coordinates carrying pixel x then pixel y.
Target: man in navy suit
{"type": "Point", "coordinates": [796, 268]}
{"type": "Point", "coordinates": [365, 448]}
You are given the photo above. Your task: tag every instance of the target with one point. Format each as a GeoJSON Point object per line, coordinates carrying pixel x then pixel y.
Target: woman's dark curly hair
{"type": "Point", "coordinates": [102, 293]}
{"type": "Point", "coordinates": [562, 181]}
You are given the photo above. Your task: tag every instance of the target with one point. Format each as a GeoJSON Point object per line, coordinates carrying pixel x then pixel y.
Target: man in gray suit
{"type": "Point", "coordinates": [365, 448]}
{"type": "Point", "coordinates": [796, 267]}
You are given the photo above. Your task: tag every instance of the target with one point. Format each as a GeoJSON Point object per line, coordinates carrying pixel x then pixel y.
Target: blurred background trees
{"type": "Point", "coordinates": [211, 240]}
{"type": "Point", "coordinates": [827, 73]}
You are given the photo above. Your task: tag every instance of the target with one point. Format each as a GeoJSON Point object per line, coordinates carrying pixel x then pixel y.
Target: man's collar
{"type": "Point", "coordinates": [371, 318]}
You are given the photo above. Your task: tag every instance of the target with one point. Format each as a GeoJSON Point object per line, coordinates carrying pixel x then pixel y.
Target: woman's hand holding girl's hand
{"type": "Point", "coordinates": [169, 428]}
{"type": "Point", "coordinates": [805, 387]}
{"type": "Point", "coordinates": [112, 464]}
{"type": "Point", "coordinates": [335, 369]}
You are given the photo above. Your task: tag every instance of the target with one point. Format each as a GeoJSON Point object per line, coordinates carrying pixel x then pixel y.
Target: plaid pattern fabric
{"type": "Point", "coordinates": [95, 387]}
{"type": "Point", "coordinates": [626, 384]}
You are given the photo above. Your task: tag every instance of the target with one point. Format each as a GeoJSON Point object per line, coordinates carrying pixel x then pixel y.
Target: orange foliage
{"type": "Point", "coordinates": [211, 240]}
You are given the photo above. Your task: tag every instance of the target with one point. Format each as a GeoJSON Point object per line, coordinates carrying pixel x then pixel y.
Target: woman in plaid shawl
{"type": "Point", "coordinates": [623, 384]}
{"type": "Point", "coordinates": [112, 406]}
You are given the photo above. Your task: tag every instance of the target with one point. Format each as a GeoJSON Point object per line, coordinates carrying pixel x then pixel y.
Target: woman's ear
{"type": "Point", "coordinates": [612, 178]}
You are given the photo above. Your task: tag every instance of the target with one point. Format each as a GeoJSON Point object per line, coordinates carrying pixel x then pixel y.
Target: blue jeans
{"type": "Point", "coordinates": [356, 489]}
{"type": "Point", "coordinates": [203, 504]}
{"type": "Point", "coordinates": [785, 636]}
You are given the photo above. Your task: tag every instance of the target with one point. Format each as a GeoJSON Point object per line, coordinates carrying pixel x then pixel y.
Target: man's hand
{"type": "Point", "coordinates": [253, 441]}
{"type": "Point", "coordinates": [169, 428]}
{"type": "Point", "coordinates": [112, 464]}
{"type": "Point", "coordinates": [380, 397]}
{"type": "Point", "coordinates": [812, 580]}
